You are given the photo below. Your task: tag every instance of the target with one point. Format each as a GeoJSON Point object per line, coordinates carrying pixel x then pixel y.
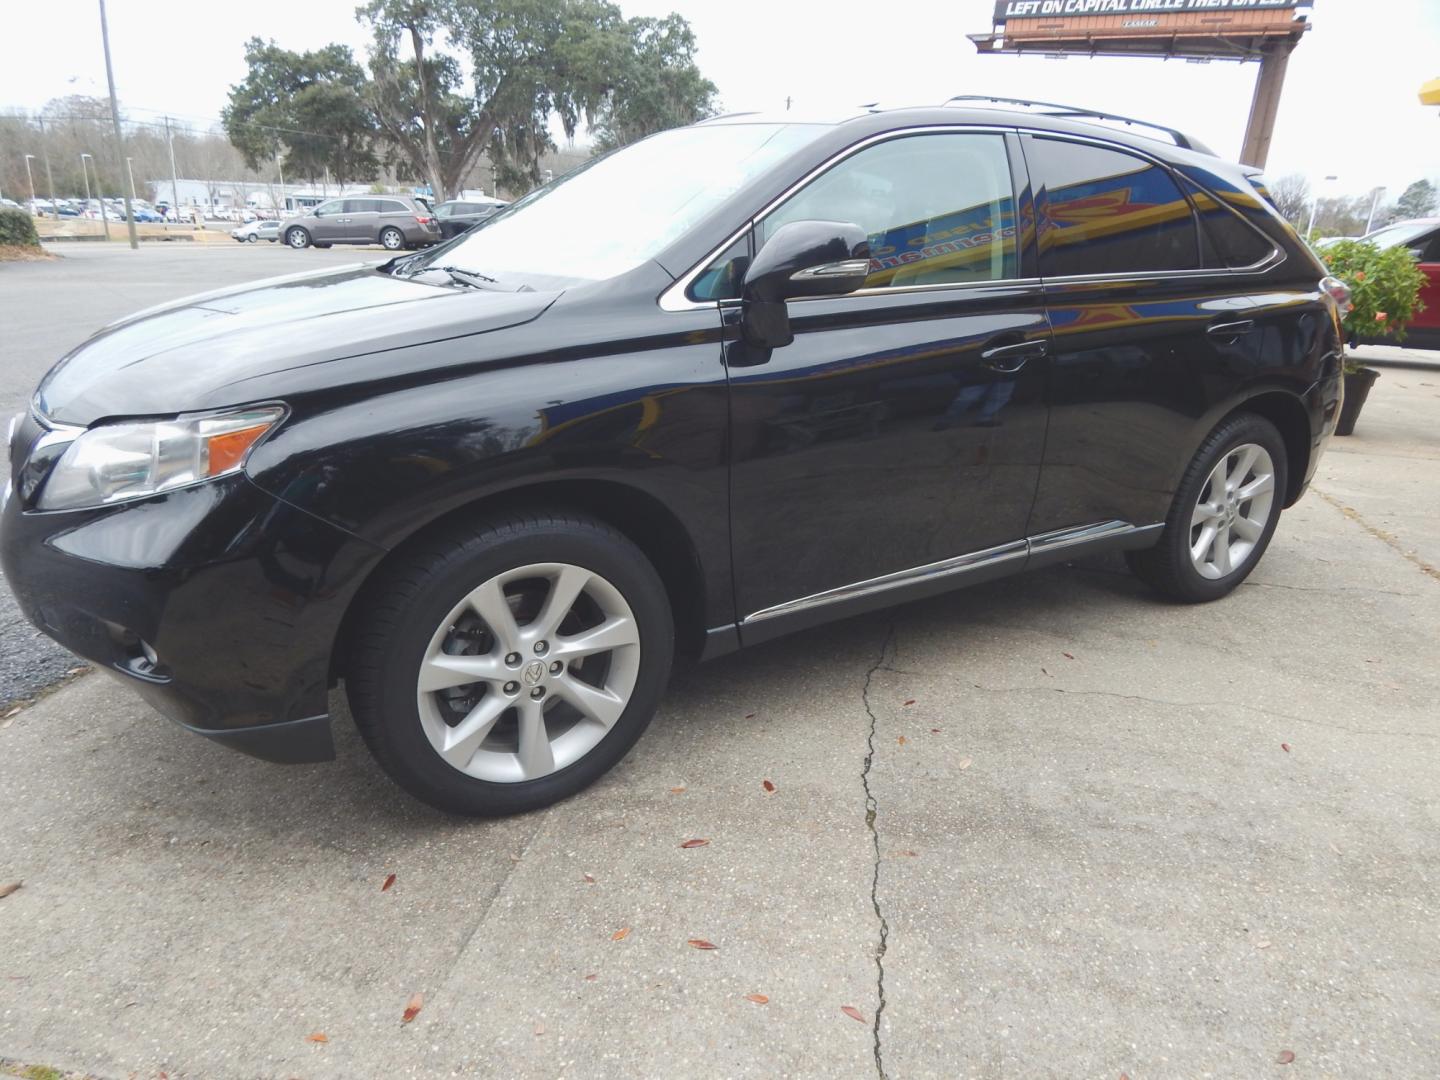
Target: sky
{"type": "Point", "coordinates": [1349, 108]}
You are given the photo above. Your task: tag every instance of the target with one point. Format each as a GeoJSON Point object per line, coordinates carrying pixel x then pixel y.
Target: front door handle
{"type": "Point", "coordinates": [1230, 330]}
{"type": "Point", "coordinates": [1009, 359]}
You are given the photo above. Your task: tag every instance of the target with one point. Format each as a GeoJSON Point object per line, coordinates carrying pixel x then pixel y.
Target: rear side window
{"type": "Point", "coordinates": [359, 206]}
{"type": "Point", "coordinates": [391, 206]}
{"type": "Point", "coordinates": [1104, 211]}
{"type": "Point", "coordinates": [1226, 239]}
{"type": "Point", "coordinates": [939, 209]}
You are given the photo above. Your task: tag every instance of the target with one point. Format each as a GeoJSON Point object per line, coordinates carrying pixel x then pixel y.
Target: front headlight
{"type": "Point", "coordinates": [114, 462]}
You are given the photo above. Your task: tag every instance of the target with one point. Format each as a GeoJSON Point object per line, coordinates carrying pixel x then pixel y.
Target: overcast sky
{"type": "Point", "coordinates": [1349, 107]}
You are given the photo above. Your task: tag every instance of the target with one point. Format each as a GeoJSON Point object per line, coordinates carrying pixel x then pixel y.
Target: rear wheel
{"type": "Point", "coordinates": [500, 667]}
{"type": "Point", "coordinates": [392, 239]}
{"type": "Point", "coordinates": [1223, 516]}
{"type": "Point", "coordinates": [297, 237]}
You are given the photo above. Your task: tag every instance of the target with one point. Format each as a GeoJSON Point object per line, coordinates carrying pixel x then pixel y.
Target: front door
{"type": "Point", "coordinates": [904, 426]}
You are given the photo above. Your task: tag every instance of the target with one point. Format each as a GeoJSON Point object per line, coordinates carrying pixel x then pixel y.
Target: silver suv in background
{"type": "Point", "coordinates": [392, 221]}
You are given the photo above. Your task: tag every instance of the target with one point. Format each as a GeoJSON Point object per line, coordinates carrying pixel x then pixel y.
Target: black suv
{"type": "Point", "coordinates": [730, 381]}
{"type": "Point", "coordinates": [456, 216]}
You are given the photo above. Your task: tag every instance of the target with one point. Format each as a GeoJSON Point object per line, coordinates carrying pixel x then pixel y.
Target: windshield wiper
{"type": "Point", "coordinates": [471, 278]}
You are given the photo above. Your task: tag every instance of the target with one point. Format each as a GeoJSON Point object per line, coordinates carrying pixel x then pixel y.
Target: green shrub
{"type": "Point", "coordinates": [1384, 287]}
{"type": "Point", "coordinates": [18, 228]}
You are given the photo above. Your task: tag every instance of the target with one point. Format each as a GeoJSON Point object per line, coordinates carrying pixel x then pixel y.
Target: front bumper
{"type": "Point", "coordinates": [219, 603]}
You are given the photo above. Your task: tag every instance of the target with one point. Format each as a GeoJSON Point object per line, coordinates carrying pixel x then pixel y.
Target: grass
{"type": "Point", "coordinates": [23, 253]}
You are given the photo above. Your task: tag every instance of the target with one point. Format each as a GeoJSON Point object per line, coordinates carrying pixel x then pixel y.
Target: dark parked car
{"type": "Point", "coordinates": [457, 216]}
{"type": "Point", "coordinates": [725, 383]}
{"type": "Point", "coordinates": [394, 222]}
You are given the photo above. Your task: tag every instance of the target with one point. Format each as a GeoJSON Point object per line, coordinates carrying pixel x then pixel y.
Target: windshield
{"type": "Point", "coordinates": [1394, 235]}
{"type": "Point", "coordinates": [615, 212]}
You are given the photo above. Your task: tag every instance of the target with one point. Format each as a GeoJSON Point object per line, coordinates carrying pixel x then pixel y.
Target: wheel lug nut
{"type": "Point", "coordinates": [513, 659]}
{"type": "Point", "coordinates": [512, 687]}
{"type": "Point", "coordinates": [556, 668]}
{"type": "Point", "coordinates": [541, 648]}
{"type": "Point", "coordinates": [538, 693]}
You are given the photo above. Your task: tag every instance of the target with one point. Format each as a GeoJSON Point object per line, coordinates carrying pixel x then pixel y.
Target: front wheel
{"type": "Point", "coordinates": [297, 238]}
{"type": "Point", "coordinates": [500, 667]}
{"type": "Point", "coordinates": [251, 238]}
{"type": "Point", "coordinates": [1224, 514]}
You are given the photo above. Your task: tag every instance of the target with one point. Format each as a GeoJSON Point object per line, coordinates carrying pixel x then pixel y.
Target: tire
{"type": "Point", "coordinates": [424, 610]}
{"type": "Point", "coordinates": [322, 246]}
{"type": "Point", "coordinates": [251, 238]}
{"type": "Point", "coordinates": [392, 239]}
{"type": "Point", "coordinates": [1183, 566]}
{"type": "Point", "coordinates": [298, 238]}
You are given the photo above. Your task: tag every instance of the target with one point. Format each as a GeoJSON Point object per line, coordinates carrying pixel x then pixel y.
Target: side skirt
{"type": "Point", "coordinates": [961, 570]}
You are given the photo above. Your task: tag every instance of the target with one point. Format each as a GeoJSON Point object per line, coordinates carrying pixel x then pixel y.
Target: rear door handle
{"type": "Point", "coordinates": [1009, 359]}
{"type": "Point", "coordinates": [1230, 329]}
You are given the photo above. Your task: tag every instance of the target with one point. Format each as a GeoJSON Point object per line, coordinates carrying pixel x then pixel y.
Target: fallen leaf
{"type": "Point", "coordinates": [388, 882]}
{"type": "Point", "coordinates": [539, 1027]}
{"type": "Point", "coordinates": [591, 977]}
{"type": "Point", "coordinates": [853, 1013]}
{"type": "Point", "coordinates": [700, 943]}
{"type": "Point", "coordinates": [910, 702]}
{"type": "Point", "coordinates": [901, 740]}
{"type": "Point", "coordinates": [621, 934]}
{"type": "Point", "coordinates": [758, 999]}
{"type": "Point", "coordinates": [767, 785]}
{"type": "Point", "coordinates": [909, 854]}
{"type": "Point", "coordinates": [317, 1037]}
{"type": "Point", "coordinates": [1262, 944]}
{"type": "Point", "coordinates": [677, 791]}
{"type": "Point", "coordinates": [1285, 746]}
{"type": "Point", "coordinates": [966, 762]}
{"type": "Point", "coordinates": [934, 731]}
{"type": "Point", "coordinates": [514, 857]}
{"type": "Point", "coordinates": [694, 843]}
{"type": "Point", "coordinates": [6, 890]}
{"type": "Point", "coordinates": [13, 712]}
{"type": "Point", "coordinates": [412, 1008]}
{"type": "Point", "coordinates": [589, 880]}
{"type": "Point", "coordinates": [1044, 672]}
{"type": "Point", "coordinates": [749, 716]}
{"type": "Point", "coordinates": [1285, 1057]}
{"type": "Point", "coordinates": [1068, 656]}
{"type": "Point", "coordinates": [1124, 1076]}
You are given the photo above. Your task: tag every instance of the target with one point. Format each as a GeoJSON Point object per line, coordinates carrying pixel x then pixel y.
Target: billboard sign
{"type": "Point", "coordinates": [1042, 9]}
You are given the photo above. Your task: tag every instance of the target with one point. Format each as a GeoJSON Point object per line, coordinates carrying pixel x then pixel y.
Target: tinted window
{"type": "Point", "coordinates": [1104, 211]}
{"type": "Point", "coordinates": [722, 279]}
{"type": "Point", "coordinates": [939, 208]}
{"type": "Point", "coordinates": [391, 206]}
{"type": "Point", "coordinates": [334, 206]}
{"type": "Point", "coordinates": [1225, 237]}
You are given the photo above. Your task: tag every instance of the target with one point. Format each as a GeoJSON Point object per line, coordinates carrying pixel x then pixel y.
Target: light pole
{"type": "Point", "coordinates": [1315, 206]}
{"type": "Point", "coordinates": [130, 168]}
{"type": "Point", "coordinates": [119, 135]}
{"type": "Point", "coordinates": [103, 219]}
{"type": "Point", "coordinates": [30, 177]}
{"type": "Point", "coordinates": [284, 203]}
{"type": "Point", "coordinates": [1374, 204]}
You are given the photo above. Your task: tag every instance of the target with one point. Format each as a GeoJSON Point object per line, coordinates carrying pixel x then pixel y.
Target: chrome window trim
{"type": "Point", "coordinates": [1039, 544]}
{"type": "Point", "coordinates": [674, 298]}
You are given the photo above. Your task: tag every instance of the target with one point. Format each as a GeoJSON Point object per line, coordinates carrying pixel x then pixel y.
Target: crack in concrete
{"type": "Point", "coordinates": [1384, 537]}
{"type": "Point", "coordinates": [872, 809]}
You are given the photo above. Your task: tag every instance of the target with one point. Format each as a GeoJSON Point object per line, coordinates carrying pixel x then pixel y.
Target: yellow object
{"type": "Point", "coordinates": [1430, 93]}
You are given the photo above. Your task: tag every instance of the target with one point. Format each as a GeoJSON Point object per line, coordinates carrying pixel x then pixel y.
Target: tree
{"type": "Point", "coordinates": [1418, 201]}
{"type": "Point", "coordinates": [1291, 195]}
{"type": "Point", "coordinates": [531, 63]}
{"type": "Point", "coordinates": [310, 104]}
{"type": "Point", "coordinates": [659, 86]}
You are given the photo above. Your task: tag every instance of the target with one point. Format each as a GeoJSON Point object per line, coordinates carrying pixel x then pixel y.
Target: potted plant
{"type": "Point", "coordinates": [1384, 296]}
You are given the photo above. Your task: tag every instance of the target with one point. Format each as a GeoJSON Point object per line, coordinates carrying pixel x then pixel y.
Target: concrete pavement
{"type": "Point", "coordinates": [1103, 835]}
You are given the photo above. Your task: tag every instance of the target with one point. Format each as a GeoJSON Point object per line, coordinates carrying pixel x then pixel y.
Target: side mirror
{"type": "Point", "coordinates": [803, 258]}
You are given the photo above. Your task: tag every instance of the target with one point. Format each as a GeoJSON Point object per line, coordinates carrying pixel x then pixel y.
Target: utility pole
{"type": "Point", "coordinates": [1374, 204]}
{"type": "Point", "coordinates": [49, 177]}
{"type": "Point", "coordinates": [174, 183]}
{"type": "Point", "coordinates": [130, 168]}
{"type": "Point", "coordinates": [284, 203]}
{"type": "Point", "coordinates": [119, 135]}
{"type": "Point", "coordinates": [1314, 207]}
{"type": "Point", "coordinates": [30, 177]}
{"type": "Point", "coordinates": [103, 219]}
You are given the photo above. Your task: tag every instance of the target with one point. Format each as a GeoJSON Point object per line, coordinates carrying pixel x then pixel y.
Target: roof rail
{"type": "Point", "coordinates": [1050, 108]}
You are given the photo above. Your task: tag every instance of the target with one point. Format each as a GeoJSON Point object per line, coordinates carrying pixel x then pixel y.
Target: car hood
{"type": "Point", "coordinates": [214, 349]}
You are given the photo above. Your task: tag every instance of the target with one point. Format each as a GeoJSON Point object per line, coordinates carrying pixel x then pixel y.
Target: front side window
{"type": "Point", "coordinates": [1103, 211]}
{"type": "Point", "coordinates": [939, 209]}
{"type": "Point", "coordinates": [334, 206]}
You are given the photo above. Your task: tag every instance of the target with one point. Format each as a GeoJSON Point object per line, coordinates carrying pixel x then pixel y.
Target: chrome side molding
{"type": "Point", "coordinates": [959, 565]}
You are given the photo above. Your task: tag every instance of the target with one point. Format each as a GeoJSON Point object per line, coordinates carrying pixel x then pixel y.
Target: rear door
{"type": "Point", "coordinates": [1147, 337]}
{"type": "Point", "coordinates": [361, 220]}
{"type": "Point", "coordinates": [904, 425]}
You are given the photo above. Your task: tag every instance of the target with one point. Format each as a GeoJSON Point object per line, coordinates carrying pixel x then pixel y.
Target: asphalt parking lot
{"type": "Point", "coordinates": [1047, 827]}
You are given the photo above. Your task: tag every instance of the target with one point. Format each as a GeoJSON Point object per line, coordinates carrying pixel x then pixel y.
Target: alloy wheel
{"type": "Point", "coordinates": [1230, 517]}
{"type": "Point", "coordinates": [528, 672]}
